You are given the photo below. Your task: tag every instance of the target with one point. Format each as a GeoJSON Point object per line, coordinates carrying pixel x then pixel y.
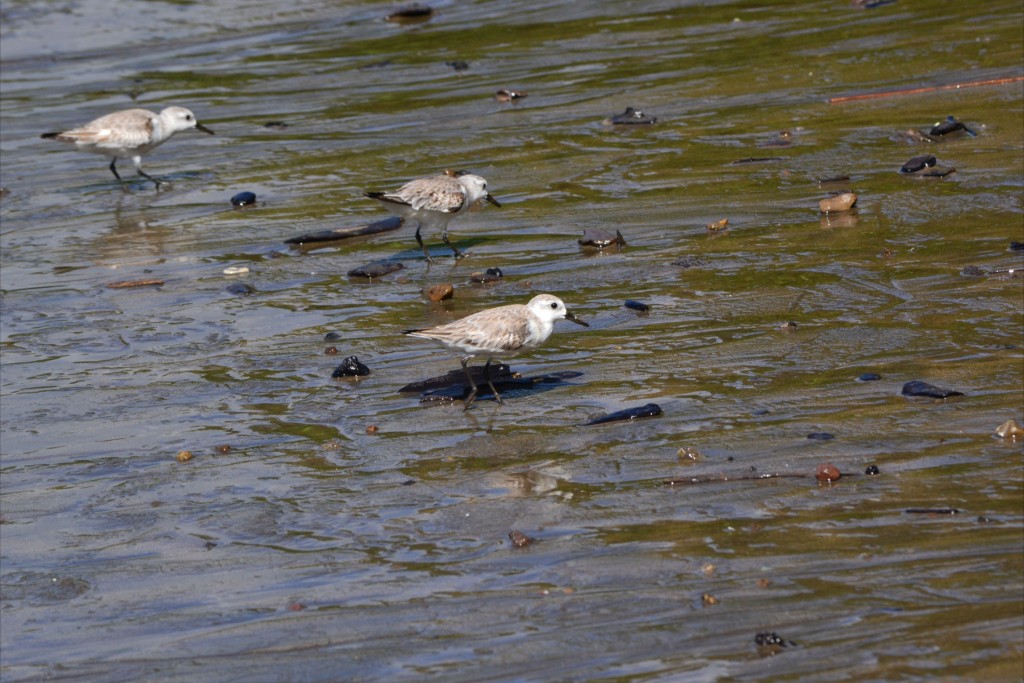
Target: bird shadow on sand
{"type": "Point", "coordinates": [452, 387]}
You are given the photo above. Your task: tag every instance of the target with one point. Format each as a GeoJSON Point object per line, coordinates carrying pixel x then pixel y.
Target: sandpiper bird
{"type": "Point", "coordinates": [436, 200]}
{"type": "Point", "coordinates": [502, 330]}
{"type": "Point", "coordinates": [130, 134]}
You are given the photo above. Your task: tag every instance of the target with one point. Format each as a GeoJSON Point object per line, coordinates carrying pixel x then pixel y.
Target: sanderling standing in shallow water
{"type": "Point", "coordinates": [436, 200]}
{"type": "Point", "coordinates": [504, 330]}
{"type": "Point", "coordinates": [130, 134]}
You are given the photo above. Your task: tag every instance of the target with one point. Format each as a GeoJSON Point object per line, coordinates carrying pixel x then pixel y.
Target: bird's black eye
{"type": "Point", "coordinates": [554, 305]}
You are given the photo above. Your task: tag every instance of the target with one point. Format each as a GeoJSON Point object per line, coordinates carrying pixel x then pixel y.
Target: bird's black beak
{"type": "Point", "coordinates": [492, 200]}
{"type": "Point", "coordinates": [203, 128]}
{"type": "Point", "coordinates": [570, 316]}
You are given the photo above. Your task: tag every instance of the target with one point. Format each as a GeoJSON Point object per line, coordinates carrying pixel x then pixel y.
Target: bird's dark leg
{"type": "Point", "coordinates": [419, 240]}
{"type": "Point", "coordinates": [146, 175]}
{"type": "Point", "coordinates": [468, 401]}
{"type": "Point", "coordinates": [444, 236]}
{"type": "Point", "coordinates": [113, 169]}
{"type": "Point", "coordinates": [487, 374]}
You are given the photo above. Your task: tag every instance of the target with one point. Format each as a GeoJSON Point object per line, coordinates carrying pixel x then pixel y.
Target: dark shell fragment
{"type": "Point", "coordinates": [384, 225]}
{"type": "Point", "coordinates": [375, 269]}
{"type": "Point", "coordinates": [950, 125]}
{"type": "Point", "coordinates": [489, 275]}
{"type": "Point", "coordinates": [633, 117]}
{"type": "Point", "coordinates": [871, 470]}
{"type": "Point", "coordinates": [509, 95]}
{"type": "Point", "coordinates": [820, 436]}
{"type": "Point", "coordinates": [410, 13]}
{"type": "Point", "coordinates": [332, 336]}
{"type": "Point", "coordinates": [868, 377]}
{"type": "Point", "coordinates": [601, 239]}
{"type": "Point", "coordinates": [519, 539]}
{"type": "Point", "coordinates": [649, 410]}
{"type": "Point", "coordinates": [241, 288]}
{"type": "Point", "coordinates": [243, 199]}
{"type": "Point", "coordinates": [918, 163]}
{"type": "Point", "coordinates": [275, 125]}
{"type": "Point", "coordinates": [919, 388]}
{"type": "Point", "coordinates": [350, 367]}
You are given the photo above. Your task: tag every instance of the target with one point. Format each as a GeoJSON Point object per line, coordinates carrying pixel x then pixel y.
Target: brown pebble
{"type": "Point", "coordinates": [718, 225]}
{"type": "Point", "coordinates": [439, 292]}
{"type": "Point", "coordinates": [841, 202]}
{"type": "Point", "coordinates": [372, 429]}
{"type": "Point", "coordinates": [296, 607]}
{"type": "Point", "coordinates": [331, 350]}
{"type": "Point", "coordinates": [184, 456]}
{"type": "Point", "coordinates": [689, 454]}
{"type": "Point", "coordinates": [708, 569]}
{"type": "Point", "coordinates": [124, 284]}
{"type": "Point", "coordinates": [827, 472]}
{"type": "Point", "coordinates": [1010, 430]}
{"type": "Point", "coordinates": [223, 449]}
{"type": "Point", "coordinates": [764, 583]}
{"type": "Point", "coordinates": [519, 539]}
{"type": "Point", "coordinates": [709, 599]}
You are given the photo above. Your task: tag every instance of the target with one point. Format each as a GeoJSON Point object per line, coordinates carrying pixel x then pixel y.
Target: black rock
{"type": "Point", "coordinates": [820, 436]}
{"type": "Point", "coordinates": [871, 470]}
{"type": "Point", "coordinates": [919, 163]}
{"type": "Point", "coordinates": [489, 275]}
{"type": "Point", "coordinates": [649, 410]}
{"type": "Point", "coordinates": [1016, 246]}
{"type": "Point", "coordinates": [633, 117]}
{"type": "Point", "coordinates": [275, 125]}
{"type": "Point", "coordinates": [376, 269]}
{"type": "Point", "coordinates": [243, 199]}
{"type": "Point", "coordinates": [919, 388]}
{"type": "Point", "coordinates": [458, 66]}
{"type": "Point", "coordinates": [241, 288]}
{"type": "Point", "coordinates": [637, 306]}
{"type": "Point", "coordinates": [869, 377]}
{"type": "Point", "coordinates": [351, 367]}
{"type": "Point", "coordinates": [332, 336]}
{"type": "Point", "coordinates": [950, 125]}
{"type": "Point", "coordinates": [772, 639]}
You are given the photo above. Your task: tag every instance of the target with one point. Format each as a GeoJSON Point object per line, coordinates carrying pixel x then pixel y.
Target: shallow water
{"type": "Point", "coordinates": [315, 550]}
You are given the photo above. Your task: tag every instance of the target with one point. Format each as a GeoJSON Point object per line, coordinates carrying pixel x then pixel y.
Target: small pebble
{"type": "Point", "coordinates": [184, 456]}
{"type": "Point", "coordinates": [1010, 430]}
{"type": "Point", "coordinates": [820, 436]}
{"type": "Point", "coordinates": [972, 271]}
{"type": "Point", "coordinates": [350, 367]}
{"type": "Point", "coordinates": [223, 449]}
{"type": "Point", "coordinates": [637, 306]}
{"type": "Point", "coordinates": [718, 226]}
{"type": "Point", "coordinates": [236, 270]}
{"type": "Point", "coordinates": [240, 288]}
{"type": "Point", "coordinates": [827, 473]}
{"type": "Point", "coordinates": [709, 599]}
{"type": "Point", "coordinates": [332, 336]}
{"type": "Point", "coordinates": [458, 65]}
{"type": "Point", "coordinates": [841, 202]}
{"type": "Point", "coordinates": [243, 199]}
{"type": "Point", "coordinates": [772, 640]}
{"type": "Point", "coordinates": [439, 292]}
{"type": "Point", "coordinates": [871, 470]}
{"type": "Point", "coordinates": [519, 539]}
{"type": "Point", "coordinates": [331, 351]}
{"type": "Point", "coordinates": [788, 325]}
{"type": "Point", "coordinates": [275, 125]}
{"type": "Point", "coordinates": [372, 429]}
{"type": "Point", "coordinates": [868, 377]}
{"type": "Point", "coordinates": [689, 454]}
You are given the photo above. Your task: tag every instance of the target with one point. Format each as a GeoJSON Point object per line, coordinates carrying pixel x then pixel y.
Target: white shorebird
{"type": "Point", "coordinates": [130, 134]}
{"type": "Point", "coordinates": [435, 201]}
{"type": "Point", "coordinates": [504, 330]}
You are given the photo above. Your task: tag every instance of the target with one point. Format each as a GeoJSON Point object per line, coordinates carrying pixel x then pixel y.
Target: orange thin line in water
{"type": "Point", "coordinates": [915, 91]}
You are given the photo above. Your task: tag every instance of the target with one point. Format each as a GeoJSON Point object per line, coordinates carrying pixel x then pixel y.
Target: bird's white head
{"type": "Point", "coordinates": [550, 308]}
{"type": "Point", "coordinates": [177, 119]}
{"type": "Point", "coordinates": [476, 188]}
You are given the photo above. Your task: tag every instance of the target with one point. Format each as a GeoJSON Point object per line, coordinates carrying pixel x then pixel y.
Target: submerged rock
{"type": "Point", "coordinates": [350, 367]}
{"type": "Point", "coordinates": [241, 288]}
{"type": "Point", "coordinates": [918, 163]}
{"type": "Point", "coordinates": [919, 388]}
{"type": "Point", "coordinates": [637, 306]}
{"type": "Point", "coordinates": [376, 269]}
{"type": "Point", "coordinates": [519, 539]}
{"type": "Point", "coordinates": [439, 292]}
{"type": "Point", "coordinates": [243, 199]}
{"type": "Point", "coordinates": [632, 117]}
{"type": "Point", "coordinates": [649, 410]}
{"type": "Point", "coordinates": [841, 202]}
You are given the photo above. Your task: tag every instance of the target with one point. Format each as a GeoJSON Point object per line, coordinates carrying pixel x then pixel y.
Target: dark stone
{"type": "Point", "coordinates": [1016, 246]}
{"type": "Point", "coordinates": [820, 436]}
{"type": "Point", "coordinates": [410, 13]}
{"type": "Point", "coordinates": [458, 65]}
{"type": "Point", "coordinates": [376, 269]}
{"type": "Point", "coordinates": [871, 470]}
{"type": "Point", "coordinates": [489, 275]}
{"type": "Point", "coordinates": [241, 288]}
{"type": "Point", "coordinates": [633, 117]}
{"type": "Point", "coordinates": [869, 377]}
{"type": "Point", "coordinates": [772, 639]}
{"type": "Point", "coordinates": [351, 367]}
{"type": "Point", "coordinates": [972, 271]}
{"type": "Point", "coordinates": [637, 306]}
{"type": "Point", "coordinates": [332, 336]}
{"type": "Point", "coordinates": [919, 388]}
{"type": "Point", "coordinates": [918, 163]}
{"type": "Point", "coordinates": [243, 199]}
{"type": "Point", "coordinates": [649, 410]}
{"type": "Point", "coordinates": [275, 125]}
